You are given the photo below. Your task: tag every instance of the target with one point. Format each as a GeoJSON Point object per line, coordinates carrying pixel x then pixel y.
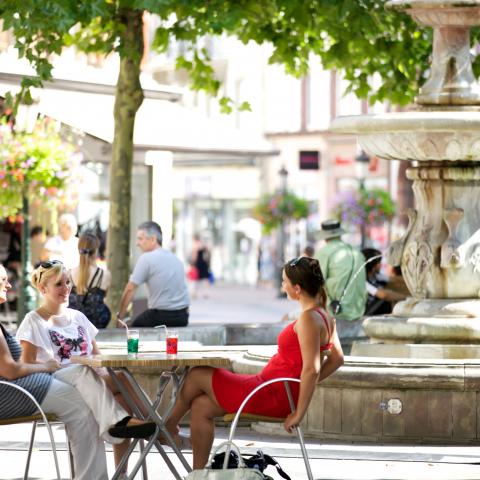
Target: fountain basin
{"type": "Point", "coordinates": [417, 136]}
{"type": "Point", "coordinates": [435, 401]}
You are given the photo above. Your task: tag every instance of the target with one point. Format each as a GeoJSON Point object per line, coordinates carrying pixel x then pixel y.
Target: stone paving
{"type": "Point", "coordinates": [329, 460]}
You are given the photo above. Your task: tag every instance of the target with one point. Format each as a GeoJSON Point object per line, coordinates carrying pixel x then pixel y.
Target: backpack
{"type": "Point", "coordinates": [92, 304]}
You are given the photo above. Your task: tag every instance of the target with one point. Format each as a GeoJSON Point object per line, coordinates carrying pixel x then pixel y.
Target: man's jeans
{"type": "Point", "coordinates": [170, 318]}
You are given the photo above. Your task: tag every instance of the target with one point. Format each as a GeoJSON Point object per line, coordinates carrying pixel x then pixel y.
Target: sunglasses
{"type": "Point", "coordinates": [294, 261]}
{"type": "Point", "coordinates": [48, 264]}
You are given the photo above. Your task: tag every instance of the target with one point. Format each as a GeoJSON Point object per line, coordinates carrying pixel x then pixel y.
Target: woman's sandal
{"type": "Point", "coordinates": [122, 430]}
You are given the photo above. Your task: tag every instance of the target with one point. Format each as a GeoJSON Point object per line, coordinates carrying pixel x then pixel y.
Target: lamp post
{"type": "Point", "coordinates": [25, 119]}
{"type": "Point", "coordinates": [283, 172]}
{"type": "Point", "coordinates": [362, 161]}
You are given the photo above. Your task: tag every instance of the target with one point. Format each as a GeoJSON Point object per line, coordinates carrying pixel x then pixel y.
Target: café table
{"type": "Point", "coordinates": [172, 369]}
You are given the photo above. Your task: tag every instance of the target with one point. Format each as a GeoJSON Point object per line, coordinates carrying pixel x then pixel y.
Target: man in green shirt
{"type": "Point", "coordinates": [344, 272]}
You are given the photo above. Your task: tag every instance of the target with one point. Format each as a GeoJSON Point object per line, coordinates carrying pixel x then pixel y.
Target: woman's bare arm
{"type": "Point", "coordinates": [11, 370]}
{"type": "Point", "coordinates": [333, 361]}
{"type": "Point", "coordinates": [308, 333]}
{"type": "Point", "coordinates": [29, 352]}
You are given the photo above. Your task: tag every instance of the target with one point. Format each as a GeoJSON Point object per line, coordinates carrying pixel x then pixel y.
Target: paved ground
{"type": "Point", "coordinates": [239, 304]}
{"type": "Point", "coordinates": [329, 460]}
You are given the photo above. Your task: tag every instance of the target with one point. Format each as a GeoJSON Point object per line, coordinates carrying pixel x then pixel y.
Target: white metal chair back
{"type": "Point", "coordinates": [298, 430]}
{"type": "Point", "coordinates": [47, 423]}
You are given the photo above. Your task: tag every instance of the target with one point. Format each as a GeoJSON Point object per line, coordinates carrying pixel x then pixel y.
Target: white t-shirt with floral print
{"type": "Point", "coordinates": [61, 337]}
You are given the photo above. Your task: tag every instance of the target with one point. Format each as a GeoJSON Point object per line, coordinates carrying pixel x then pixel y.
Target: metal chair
{"type": "Point", "coordinates": [234, 418]}
{"type": "Point", "coordinates": [42, 417]}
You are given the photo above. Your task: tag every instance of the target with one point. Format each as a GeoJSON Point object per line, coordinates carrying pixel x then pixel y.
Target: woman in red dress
{"type": "Point", "coordinates": [308, 349]}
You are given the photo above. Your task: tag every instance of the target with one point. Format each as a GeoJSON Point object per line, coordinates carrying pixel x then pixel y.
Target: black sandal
{"type": "Point", "coordinates": [122, 430]}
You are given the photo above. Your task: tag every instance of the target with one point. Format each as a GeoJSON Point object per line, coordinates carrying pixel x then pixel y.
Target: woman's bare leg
{"type": "Point", "coordinates": [198, 382]}
{"type": "Point", "coordinates": [202, 428]}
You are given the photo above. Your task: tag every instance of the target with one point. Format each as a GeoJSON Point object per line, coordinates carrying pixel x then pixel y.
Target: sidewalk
{"type": "Point", "coordinates": [332, 461]}
{"type": "Point", "coordinates": [239, 304]}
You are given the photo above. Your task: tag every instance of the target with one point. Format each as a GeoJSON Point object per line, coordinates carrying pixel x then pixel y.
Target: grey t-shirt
{"type": "Point", "coordinates": [164, 275]}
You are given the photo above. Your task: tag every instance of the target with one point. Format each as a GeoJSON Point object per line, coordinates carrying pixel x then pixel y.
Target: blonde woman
{"type": "Point", "coordinates": [55, 388]}
{"type": "Point", "coordinates": [90, 283]}
{"type": "Point", "coordinates": [55, 331]}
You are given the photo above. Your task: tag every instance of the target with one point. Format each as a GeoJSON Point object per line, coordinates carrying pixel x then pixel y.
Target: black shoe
{"type": "Point", "coordinates": [122, 430]}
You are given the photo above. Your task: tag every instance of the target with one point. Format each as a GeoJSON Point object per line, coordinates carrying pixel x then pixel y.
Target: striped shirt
{"type": "Point", "coordinates": [13, 402]}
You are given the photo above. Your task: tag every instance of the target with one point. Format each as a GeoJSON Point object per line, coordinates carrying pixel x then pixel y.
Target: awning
{"type": "Point", "coordinates": [159, 124]}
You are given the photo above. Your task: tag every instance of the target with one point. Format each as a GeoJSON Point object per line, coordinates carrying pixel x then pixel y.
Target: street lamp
{"type": "Point", "coordinates": [25, 119]}
{"type": "Point", "coordinates": [362, 161]}
{"type": "Point", "coordinates": [283, 172]}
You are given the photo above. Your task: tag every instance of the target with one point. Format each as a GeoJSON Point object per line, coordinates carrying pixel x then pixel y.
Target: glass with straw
{"type": "Point", "coordinates": [133, 337]}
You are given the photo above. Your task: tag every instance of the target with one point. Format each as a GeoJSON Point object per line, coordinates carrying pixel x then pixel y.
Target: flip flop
{"type": "Point", "coordinates": [122, 430]}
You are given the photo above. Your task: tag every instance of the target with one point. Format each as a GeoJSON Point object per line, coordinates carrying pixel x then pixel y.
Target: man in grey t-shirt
{"type": "Point", "coordinates": [164, 275]}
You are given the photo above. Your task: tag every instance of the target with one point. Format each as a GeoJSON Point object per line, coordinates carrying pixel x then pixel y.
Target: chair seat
{"type": "Point", "coordinates": [253, 418]}
{"type": "Point", "coordinates": [31, 418]}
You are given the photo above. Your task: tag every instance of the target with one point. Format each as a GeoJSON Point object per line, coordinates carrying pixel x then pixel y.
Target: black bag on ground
{"type": "Point", "coordinates": [259, 461]}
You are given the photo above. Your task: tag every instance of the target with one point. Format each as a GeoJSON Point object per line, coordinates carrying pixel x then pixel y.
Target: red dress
{"type": "Point", "coordinates": [231, 388]}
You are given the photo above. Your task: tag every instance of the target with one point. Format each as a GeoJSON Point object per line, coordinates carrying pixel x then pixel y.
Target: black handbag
{"type": "Point", "coordinates": [92, 303]}
{"type": "Point", "coordinates": [260, 461]}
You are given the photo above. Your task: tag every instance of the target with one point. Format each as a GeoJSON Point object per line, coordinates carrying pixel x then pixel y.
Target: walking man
{"type": "Point", "coordinates": [345, 280]}
{"type": "Point", "coordinates": [164, 275]}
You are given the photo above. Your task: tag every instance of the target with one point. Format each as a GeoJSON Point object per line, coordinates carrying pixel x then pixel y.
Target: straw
{"type": "Point", "coordinates": [124, 324]}
{"type": "Point", "coordinates": [162, 326]}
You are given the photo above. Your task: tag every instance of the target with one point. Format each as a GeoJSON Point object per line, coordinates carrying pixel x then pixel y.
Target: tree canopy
{"type": "Point", "coordinates": [384, 57]}
{"type": "Point", "coordinates": [360, 37]}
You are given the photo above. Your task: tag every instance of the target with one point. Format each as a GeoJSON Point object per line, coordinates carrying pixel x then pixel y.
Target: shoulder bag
{"type": "Point", "coordinates": [92, 304]}
{"type": "Point", "coordinates": [240, 472]}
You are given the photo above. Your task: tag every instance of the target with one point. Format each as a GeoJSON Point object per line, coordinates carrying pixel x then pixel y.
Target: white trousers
{"type": "Point", "coordinates": [82, 400]}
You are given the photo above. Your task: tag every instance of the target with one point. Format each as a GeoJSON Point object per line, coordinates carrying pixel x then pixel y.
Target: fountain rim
{"type": "Point", "coordinates": [416, 121]}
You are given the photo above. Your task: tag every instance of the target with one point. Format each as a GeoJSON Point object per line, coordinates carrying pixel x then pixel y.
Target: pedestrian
{"type": "Point", "coordinates": [309, 251]}
{"type": "Point", "coordinates": [76, 395]}
{"type": "Point", "coordinates": [90, 283]}
{"type": "Point", "coordinates": [164, 275]}
{"type": "Point", "coordinates": [64, 246]}
{"type": "Point", "coordinates": [308, 349]}
{"type": "Point", "coordinates": [200, 261]}
{"type": "Point", "coordinates": [37, 244]}
{"type": "Point", "coordinates": [381, 299]}
{"type": "Point", "coordinates": [343, 267]}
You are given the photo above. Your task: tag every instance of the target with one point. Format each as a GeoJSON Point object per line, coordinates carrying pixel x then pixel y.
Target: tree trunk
{"type": "Point", "coordinates": [128, 98]}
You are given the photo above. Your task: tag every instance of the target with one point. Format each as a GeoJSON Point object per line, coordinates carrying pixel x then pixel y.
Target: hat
{"type": "Point", "coordinates": [330, 229]}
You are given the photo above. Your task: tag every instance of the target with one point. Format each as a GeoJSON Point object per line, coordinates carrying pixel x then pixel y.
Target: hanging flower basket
{"type": "Point", "coordinates": [40, 165]}
{"type": "Point", "coordinates": [365, 207]}
{"type": "Point", "coordinates": [276, 208]}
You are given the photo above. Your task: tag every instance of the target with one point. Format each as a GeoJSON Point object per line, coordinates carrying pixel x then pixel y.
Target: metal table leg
{"type": "Point", "coordinates": [177, 378]}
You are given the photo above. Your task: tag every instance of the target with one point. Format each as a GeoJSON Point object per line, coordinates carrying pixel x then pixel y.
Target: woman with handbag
{"type": "Point", "coordinates": [55, 331]}
{"type": "Point", "coordinates": [308, 349]}
{"type": "Point", "coordinates": [87, 420]}
{"type": "Point", "coordinates": [90, 283]}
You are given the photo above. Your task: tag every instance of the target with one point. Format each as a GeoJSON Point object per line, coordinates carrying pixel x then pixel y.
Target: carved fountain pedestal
{"type": "Point", "coordinates": [418, 379]}
{"type": "Point", "coordinates": [440, 251]}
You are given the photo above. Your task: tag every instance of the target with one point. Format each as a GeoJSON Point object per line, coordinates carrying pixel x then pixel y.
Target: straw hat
{"type": "Point", "coordinates": [330, 229]}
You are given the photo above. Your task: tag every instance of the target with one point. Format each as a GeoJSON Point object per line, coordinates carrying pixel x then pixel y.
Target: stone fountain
{"type": "Point", "coordinates": [440, 251]}
{"type": "Point", "coordinates": [418, 379]}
